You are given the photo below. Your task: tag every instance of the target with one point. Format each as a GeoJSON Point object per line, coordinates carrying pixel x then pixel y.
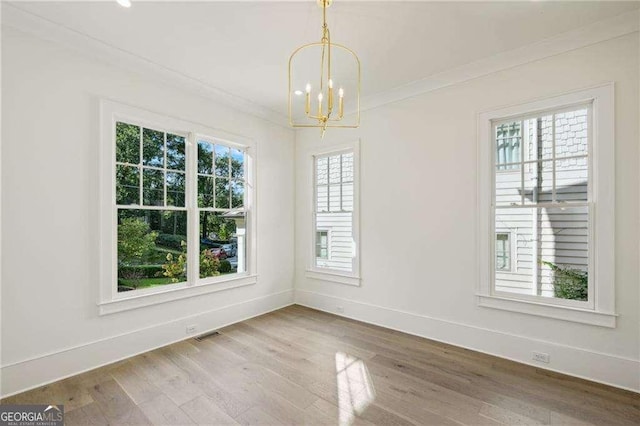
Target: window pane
{"type": "Point", "coordinates": [551, 252]}
{"type": "Point", "coordinates": [175, 152]}
{"type": "Point", "coordinates": [176, 189]}
{"type": "Point", "coordinates": [237, 164]}
{"type": "Point", "coordinates": [222, 161]}
{"type": "Point", "coordinates": [223, 195]}
{"type": "Point", "coordinates": [334, 198]}
{"type": "Point", "coordinates": [151, 248]}
{"type": "Point", "coordinates": [538, 182]}
{"type": "Point", "coordinates": [127, 185]}
{"type": "Point", "coordinates": [153, 187]}
{"type": "Point", "coordinates": [508, 188]}
{"type": "Point", "coordinates": [347, 197]}
{"type": "Point", "coordinates": [222, 243]}
{"type": "Point", "coordinates": [321, 171]}
{"type": "Point", "coordinates": [237, 194]}
{"type": "Point", "coordinates": [572, 179]}
{"type": "Point", "coordinates": [342, 245]}
{"type": "Point", "coordinates": [205, 158]}
{"type": "Point", "coordinates": [571, 133]}
{"type": "Point", "coordinates": [564, 253]}
{"type": "Point", "coordinates": [127, 143]}
{"type": "Point", "coordinates": [152, 148]}
{"type": "Point", "coordinates": [519, 222]}
{"type": "Point", "coordinates": [205, 191]}
{"type": "Point", "coordinates": [334, 169]}
{"type": "Point", "coordinates": [347, 167]}
{"type": "Point", "coordinates": [322, 198]}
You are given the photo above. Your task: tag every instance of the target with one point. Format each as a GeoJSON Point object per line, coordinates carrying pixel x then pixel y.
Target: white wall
{"type": "Point", "coordinates": [418, 228]}
{"type": "Point", "coordinates": [50, 322]}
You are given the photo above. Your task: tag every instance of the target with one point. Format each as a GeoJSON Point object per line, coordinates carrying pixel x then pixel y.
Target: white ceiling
{"type": "Point", "coordinates": [243, 47]}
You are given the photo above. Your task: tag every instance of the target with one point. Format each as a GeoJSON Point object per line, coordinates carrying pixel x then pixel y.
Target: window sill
{"type": "Point", "coordinates": [170, 295]}
{"type": "Point", "coordinates": [333, 277]}
{"type": "Point", "coordinates": [584, 316]}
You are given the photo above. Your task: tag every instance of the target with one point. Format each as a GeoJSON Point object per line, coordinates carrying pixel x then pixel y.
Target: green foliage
{"type": "Point", "coordinates": [176, 266]}
{"type": "Point", "coordinates": [569, 283]}
{"type": "Point", "coordinates": [213, 224]}
{"type": "Point", "coordinates": [225, 266]}
{"type": "Point", "coordinates": [209, 264]}
{"type": "Point", "coordinates": [135, 241]}
{"type": "Point", "coordinates": [171, 241]}
{"type": "Point", "coordinates": [139, 271]}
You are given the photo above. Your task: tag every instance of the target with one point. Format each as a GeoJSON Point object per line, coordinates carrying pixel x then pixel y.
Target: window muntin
{"type": "Point", "coordinates": [222, 224]}
{"type": "Point", "coordinates": [334, 203]}
{"type": "Point", "coordinates": [548, 206]}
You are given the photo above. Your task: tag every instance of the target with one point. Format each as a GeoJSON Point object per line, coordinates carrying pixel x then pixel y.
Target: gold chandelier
{"type": "Point", "coordinates": [339, 69]}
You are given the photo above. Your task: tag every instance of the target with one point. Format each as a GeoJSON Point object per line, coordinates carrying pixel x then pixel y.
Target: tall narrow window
{"type": "Point", "coordinates": [334, 195]}
{"type": "Point", "coordinates": [546, 207]}
{"type": "Point", "coordinates": [222, 217]}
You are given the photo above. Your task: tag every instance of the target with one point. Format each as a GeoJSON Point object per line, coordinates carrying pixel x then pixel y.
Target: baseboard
{"type": "Point", "coordinates": [599, 367]}
{"type": "Point", "coordinates": [32, 373]}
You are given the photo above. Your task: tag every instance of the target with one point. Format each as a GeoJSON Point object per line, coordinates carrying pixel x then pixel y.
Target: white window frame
{"type": "Point", "coordinates": [600, 308]}
{"type": "Point", "coordinates": [110, 300]}
{"type": "Point", "coordinates": [324, 273]}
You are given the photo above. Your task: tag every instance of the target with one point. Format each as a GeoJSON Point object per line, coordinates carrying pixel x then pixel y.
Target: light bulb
{"type": "Point", "coordinates": [298, 92]}
{"type": "Point", "coordinates": [308, 88]}
{"type": "Point", "coordinates": [330, 84]}
{"type": "Point", "coordinates": [341, 92]}
{"type": "Point", "coordinates": [124, 3]}
{"type": "Point", "coordinates": [320, 97]}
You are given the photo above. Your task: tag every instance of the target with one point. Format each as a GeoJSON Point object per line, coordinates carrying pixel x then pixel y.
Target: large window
{"type": "Point", "coordinates": [335, 218]}
{"type": "Point", "coordinates": [544, 203]}
{"type": "Point", "coordinates": [179, 198]}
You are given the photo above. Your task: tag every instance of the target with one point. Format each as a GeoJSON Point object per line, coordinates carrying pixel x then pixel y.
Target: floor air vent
{"type": "Point", "coordinates": [206, 336]}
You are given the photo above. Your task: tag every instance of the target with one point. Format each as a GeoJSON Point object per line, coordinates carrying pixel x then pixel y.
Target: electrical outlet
{"type": "Point", "coordinates": [340, 309]}
{"type": "Point", "coordinates": [192, 328]}
{"type": "Point", "coordinates": [540, 357]}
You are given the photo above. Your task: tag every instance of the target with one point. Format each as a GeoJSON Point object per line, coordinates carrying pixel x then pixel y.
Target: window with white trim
{"type": "Point", "coordinates": [334, 248]}
{"type": "Point", "coordinates": [548, 202]}
{"type": "Point", "coordinates": [177, 200]}
{"type": "Point", "coordinates": [546, 190]}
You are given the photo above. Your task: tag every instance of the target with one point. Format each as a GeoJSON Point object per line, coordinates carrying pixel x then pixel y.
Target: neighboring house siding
{"type": "Point", "coordinates": [339, 226]}
{"type": "Point", "coordinates": [559, 236]}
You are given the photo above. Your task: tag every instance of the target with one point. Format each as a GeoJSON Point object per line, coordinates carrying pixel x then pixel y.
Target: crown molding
{"type": "Point", "coordinates": [45, 29]}
{"type": "Point", "coordinates": [588, 35]}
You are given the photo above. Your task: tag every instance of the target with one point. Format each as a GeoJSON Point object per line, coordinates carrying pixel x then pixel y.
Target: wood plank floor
{"type": "Point", "coordinates": [300, 366]}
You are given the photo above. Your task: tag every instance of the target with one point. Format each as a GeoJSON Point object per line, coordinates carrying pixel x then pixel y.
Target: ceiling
{"type": "Point", "coordinates": [243, 47]}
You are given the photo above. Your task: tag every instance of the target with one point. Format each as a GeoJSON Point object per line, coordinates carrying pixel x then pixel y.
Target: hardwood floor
{"type": "Point", "coordinates": [301, 366]}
